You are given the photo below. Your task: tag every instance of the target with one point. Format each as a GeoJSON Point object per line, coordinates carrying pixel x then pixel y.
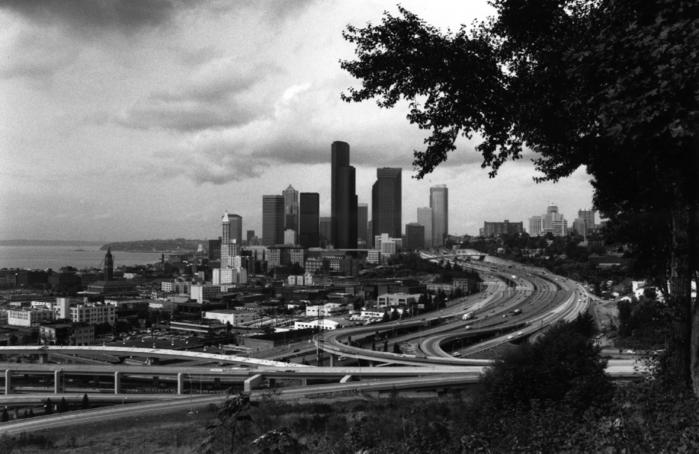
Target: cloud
{"type": "Point", "coordinates": [34, 55]}
{"type": "Point", "coordinates": [123, 15]}
{"type": "Point", "coordinates": [217, 95]}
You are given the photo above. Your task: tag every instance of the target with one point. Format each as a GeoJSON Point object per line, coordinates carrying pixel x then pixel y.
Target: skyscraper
{"type": "Point", "coordinates": [272, 219]}
{"type": "Point", "coordinates": [439, 203]}
{"type": "Point", "coordinates": [324, 230]}
{"type": "Point", "coordinates": [343, 201]}
{"type": "Point", "coordinates": [231, 237]}
{"type": "Point", "coordinates": [424, 218]}
{"type": "Point", "coordinates": [414, 236]}
{"type": "Point", "coordinates": [362, 219]}
{"type": "Point", "coordinates": [291, 208]}
{"type": "Point", "coordinates": [108, 265]}
{"type": "Point", "coordinates": [554, 222]}
{"type": "Point", "coordinates": [309, 219]}
{"type": "Point", "coordinates": [536, 225]}
{"type": "Point", "coordinates": [386, 202]}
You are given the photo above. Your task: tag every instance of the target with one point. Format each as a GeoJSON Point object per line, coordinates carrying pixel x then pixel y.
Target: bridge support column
{"type": "Point", "coordinates": [180, 383]}
{"type": "Point", "coordinates": [43, 358]}
{"type": "Point", "coordinates": [304, 382]}
{"type": "Point", "coordinates": [8, 381]}
{"type": "Point", "coordinates": [117, 382]}
{"type": "Point", "coordinates": [252, 382]}
{"type": "Point", "coordinates": [332, 360]}
{"type": "Point", "coordinates": [57, 377]}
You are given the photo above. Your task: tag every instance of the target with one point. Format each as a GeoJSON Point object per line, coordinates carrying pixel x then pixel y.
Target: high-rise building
{"type": "Point", "coordinates": [343, 202]}
{"type": "Point", "coordinates": [424, 218]}
{"type": "Point", "coordinates": [309, 219]}
{"type": "Point", "coordinates": [324, 230]}
{"type": "Point", "coordinates": [250, 237]}
{"type": "Point", "coordinates": [214, 250]}
{"type": "Point", "coordinates": [231, 237]}
{"type": "Point", "coordinates": [291, 208]}
{"type": "Point", "coordinates": [272, 219]}
{"type": "Point", "coordinates": [386, 202]}
{"type": "Point", "coordinates": [536, 226]}
{"type": "Point", "coordinates": [501, 228]}
{"type": "Point", "coordinates": [414, 236]}
{"type": "Point", "coordinates": [554, 222]}
{"type": "Point", "coordinates": [108, 265]}
{"type": "Point", "coordinates": [439, 203]}
{"type": "Point", "coordinates": [362, 219]}
{"type": "Point", "coordinates": [585, 222]}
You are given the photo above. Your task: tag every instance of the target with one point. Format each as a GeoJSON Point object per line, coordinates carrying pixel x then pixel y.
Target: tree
{"type": "Point", "coordinates": [562, 366]}
{"type": "Point", "coordinates": [611, 85]}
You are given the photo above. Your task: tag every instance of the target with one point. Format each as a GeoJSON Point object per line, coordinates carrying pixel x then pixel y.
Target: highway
{"type": "Point", "coordinates": [518, 302]}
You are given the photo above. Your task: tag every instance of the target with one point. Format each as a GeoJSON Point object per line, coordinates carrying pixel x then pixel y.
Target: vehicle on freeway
{"type": "Point", "coordinates": [467, 316]}
{"type": "Point", "coordinates": [517, 311]}
{"type": "Point", "coordinates": [467, 327]}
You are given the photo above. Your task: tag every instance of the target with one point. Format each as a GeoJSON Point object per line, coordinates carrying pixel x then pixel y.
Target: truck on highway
{"type": "Point", "coordinates": [467, 316]}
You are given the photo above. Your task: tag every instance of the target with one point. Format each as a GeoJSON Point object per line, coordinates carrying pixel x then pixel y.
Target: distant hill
{"type": "Point", "coordinates": [24, 242]}
{"type": "Point", "coordinates": [173, 245]}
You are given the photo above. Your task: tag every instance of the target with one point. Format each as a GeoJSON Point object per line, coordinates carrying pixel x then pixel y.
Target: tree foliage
{"type": "Point", "coordinates": [562, 366]}
{"type": "Point", "coordinates": [611, 85]}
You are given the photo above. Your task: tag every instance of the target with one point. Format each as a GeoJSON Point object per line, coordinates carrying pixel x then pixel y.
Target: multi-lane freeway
{"type": "Point", "coordinates": [449, 347]}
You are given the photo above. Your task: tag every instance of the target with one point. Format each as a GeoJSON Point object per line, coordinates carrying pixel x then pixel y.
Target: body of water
{"type": "Point", "coordinates": [55, 257]}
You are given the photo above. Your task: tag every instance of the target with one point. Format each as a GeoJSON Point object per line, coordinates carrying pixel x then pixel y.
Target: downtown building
{"type": "Point", "coordinates": [501, 228]}
{"type": "Point", "coordinates": [231, 237]}
{"type": "Point", "coordinates": [291, 209]}
{"type": "Point", "coordinates": [272, 219]}
{"type": "Point", "coordinates": [424, 218]}
{"type": "Point", "coordinates": [309, 219]}
{"type": "Point", "coordinates": [343, 201]}
{"type": "Point", "coordinates": [552, 222]}
{"type": "Point", "coordinates": [386, 206]}
{"type": "Point", "coordinates": [439, 204]}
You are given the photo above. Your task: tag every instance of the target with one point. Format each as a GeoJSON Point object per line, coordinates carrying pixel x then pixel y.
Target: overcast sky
{"type": "Point", "coordinates": [126, 120]}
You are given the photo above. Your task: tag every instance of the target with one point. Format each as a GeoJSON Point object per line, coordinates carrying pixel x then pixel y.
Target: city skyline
{"type": "Point", "coordinates": [150, 124]}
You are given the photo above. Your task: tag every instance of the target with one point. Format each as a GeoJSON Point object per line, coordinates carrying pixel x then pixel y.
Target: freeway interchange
{"type": "Point", "coordinates": [450, 347]}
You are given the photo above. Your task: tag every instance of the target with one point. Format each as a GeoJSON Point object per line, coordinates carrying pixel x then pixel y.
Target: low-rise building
{"type": "Point", "coordinates": [202, 292]}
{"type": "Point", "coordinates": [397, 299]}
{"type": "Point", "coordinates": [93, 314]}
{"type": "Point", "coordinates": [323, 310]}
{"type": "Point", "coordinates": [323, 324]}
{"type": "Point", "coordinates": [29, 317]}
{"type": "Point", "coordinates": [234, 317]}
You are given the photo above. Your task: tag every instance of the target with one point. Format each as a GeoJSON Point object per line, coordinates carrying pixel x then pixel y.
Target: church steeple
{"type": "Point", "coordinates": [108, 265]}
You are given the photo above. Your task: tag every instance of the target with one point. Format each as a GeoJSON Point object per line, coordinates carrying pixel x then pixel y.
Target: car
{"type": "Point", "coordinates": [467, 327]}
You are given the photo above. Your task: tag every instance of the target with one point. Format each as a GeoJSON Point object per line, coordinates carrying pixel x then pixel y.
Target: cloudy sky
{"type": "Point", "coordinates": [149, 118]}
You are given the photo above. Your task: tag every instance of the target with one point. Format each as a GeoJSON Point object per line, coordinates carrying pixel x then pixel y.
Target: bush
{"type": "Point", "coordinates": [562, 366]}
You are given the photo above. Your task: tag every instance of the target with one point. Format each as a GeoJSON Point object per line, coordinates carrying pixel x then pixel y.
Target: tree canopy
{"type": "Point", "coordinates": [611, 85]}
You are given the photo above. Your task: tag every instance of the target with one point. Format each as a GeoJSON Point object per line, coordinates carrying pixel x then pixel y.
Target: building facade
{"type": "Point", "coordinates": [231, 237]}
{"type": "Point", "coordinates": [343, 203]}
{"type": "Point", "coordinates": [272, 219]}
{"type": "Point", "coordinates": [362, 220]}
{"type": "Point", "coordinates": [386, 202]}
{"type": "Point", "coordinates": [501, 228]}
{"type": "Point", "coordinates": [414, 236]}
{"type": "Point", "coordinates": [424, 218]}
{"type": "Point", "coordinates": [439, 203]}
{"type": "Point", "coordinates": [309, 219]}
{"type": "Point", "coordinates": [291, 208]}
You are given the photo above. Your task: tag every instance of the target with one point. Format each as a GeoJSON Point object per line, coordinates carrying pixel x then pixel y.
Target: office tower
{"type": "Point", "coordinates": [272, 219]}
{"type": "Point", "coordinates": [439, 203]}
{"type": "Point", "coordinates": [309, 219]}
{"type": "Point", "coordinates": [536, 226]}
{"type": "Point", "coordinates": [291, 208]}
{"type": "Point", "coordinates": [414, 236]}
{"type": "Point", "coordinates": [554, 222]}
{"type": "Point", "coordinates": [108, 265]}
{"type": "Point", "coordinates": [588, 217]}
{"type": "Point", "coordinates": [386, 210]}
{"type": "Point", "coordinates": [250, 237]}
{"type": "Point", "coordinates": [214, 250]}
{"type": "Point", "coordinates": [362, 219]}
{"type": "Point", "coordinates": [424, 218]}
{"type": "Point", "coordinates": [343, 201]}
{"type": "Point", "coordinates": [324, 230]}
{"type": "Point", "coordinates": [290, 237]}
{"type": "Point", "coordinates": [231, 238]}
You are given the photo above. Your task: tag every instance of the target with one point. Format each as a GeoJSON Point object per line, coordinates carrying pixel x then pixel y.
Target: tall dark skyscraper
{"type": "Point", "coordinates": [362, 219]}
{"type": "Point", "coordinates": [309, 224]}
{"type": "Point", "coordinates": [439, 202]}
{"type": "Point", "coordinates": [343, 201]}
{"type": "Point", "coordinates": [386, 202]}
{"type": "Point", "coordinates": [108, 265]}
{"type": "Point", "coordinates": [272, 219]}
{"type": "Point", "coordinates": [324, 230]}
{"type": "Point", "coordinates": [291, 208]}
